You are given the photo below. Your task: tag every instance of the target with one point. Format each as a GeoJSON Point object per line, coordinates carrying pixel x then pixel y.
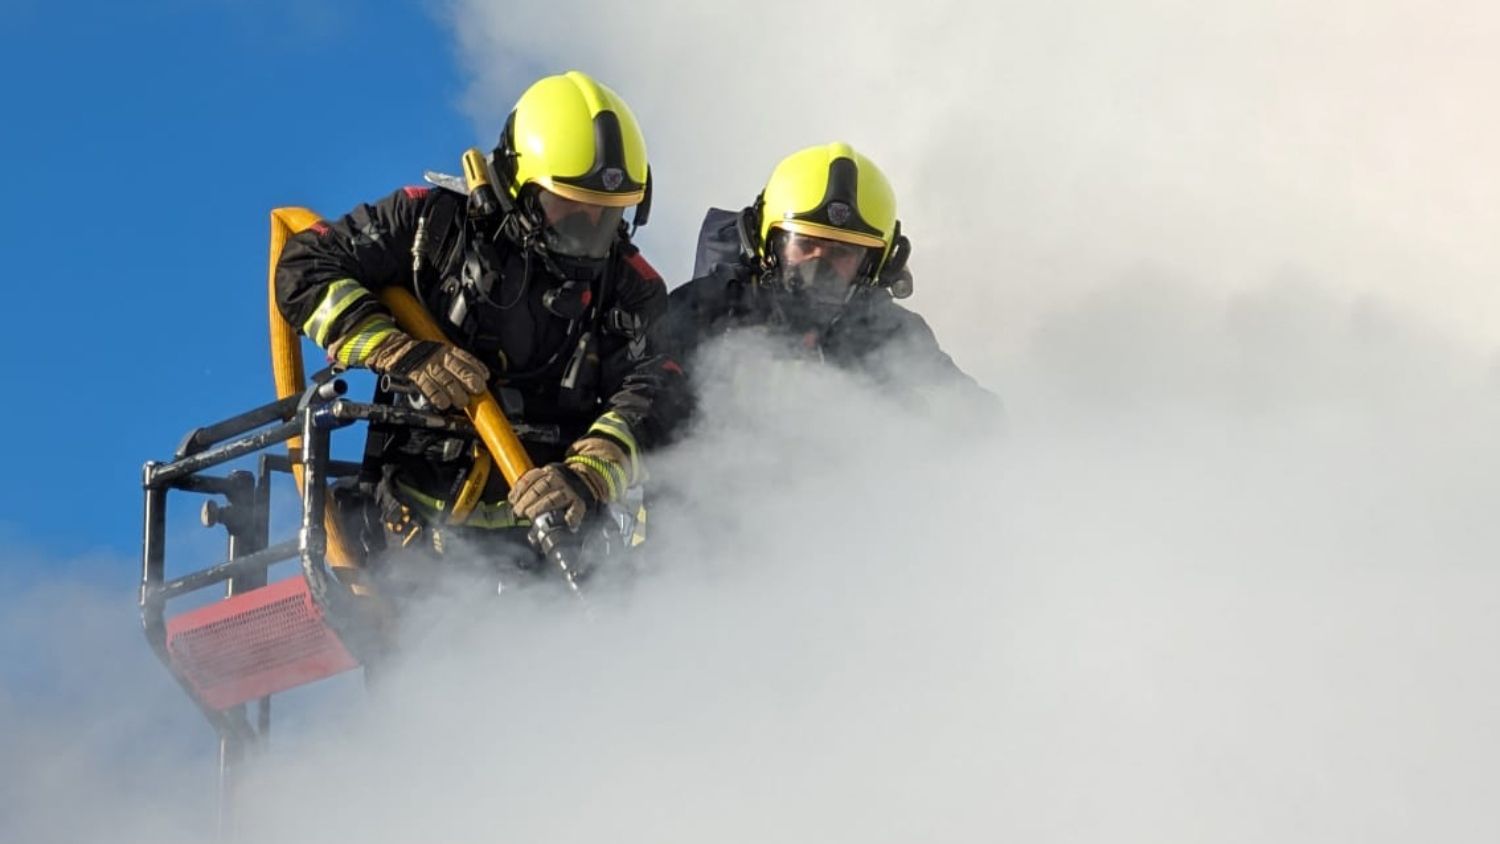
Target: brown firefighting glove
{"type": "Point", "coordinates": [547, 489]}
{"type": "Point", "coordinates": [445, 375]}
{"type": "Point", "coordinates": [594, 472]}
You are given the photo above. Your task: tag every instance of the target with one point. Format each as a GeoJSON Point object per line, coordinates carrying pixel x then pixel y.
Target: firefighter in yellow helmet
{"type": "Point", "coordinates": [818, 259]}
{"type": "Point", "coordinates": [528, 266]}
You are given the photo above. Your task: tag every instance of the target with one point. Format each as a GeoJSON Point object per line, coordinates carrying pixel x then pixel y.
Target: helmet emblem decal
{"type": "Point", "coordinates": [613, 178]}
{"type": "Point", "coordinates": [838, 213]}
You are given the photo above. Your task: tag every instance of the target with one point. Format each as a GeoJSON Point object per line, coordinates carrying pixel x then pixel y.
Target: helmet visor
{"type": "Point", "coordinates": [577, 229]}
{"type": "Point", "coordinates": [822, 269]}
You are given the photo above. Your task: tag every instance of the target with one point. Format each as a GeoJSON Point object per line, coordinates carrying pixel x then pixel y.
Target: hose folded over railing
{"type": "Point", "coordinates": [286, 369]}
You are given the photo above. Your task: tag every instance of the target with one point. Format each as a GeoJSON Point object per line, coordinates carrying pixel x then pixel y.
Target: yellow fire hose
{"type": "Point", "coordinates": [494, 430]}
{"type": "Point", "coordinates": [286, 369]}
{"type": "Point", "coordinates": [484, 411]}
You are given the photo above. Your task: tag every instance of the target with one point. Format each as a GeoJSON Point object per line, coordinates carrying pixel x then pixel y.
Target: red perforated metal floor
{"type": "Point", "coordinates": [259, 643]}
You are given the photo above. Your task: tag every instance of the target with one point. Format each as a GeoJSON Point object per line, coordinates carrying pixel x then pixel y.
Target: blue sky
{"type": "Point", "coordinates": [146, 143]}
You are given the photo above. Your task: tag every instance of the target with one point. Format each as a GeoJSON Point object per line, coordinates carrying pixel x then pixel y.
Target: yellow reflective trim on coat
{"type": "Point", "coordinates": [611, 423]}
{"type": "Point", "coordinates": [357, 348]}
{"type": "Point", "coordinates": [614, 476]}
{"type": "Point", "coordinates": [638, 535]}
{"type": "Point", "coordinates": [338, 298]}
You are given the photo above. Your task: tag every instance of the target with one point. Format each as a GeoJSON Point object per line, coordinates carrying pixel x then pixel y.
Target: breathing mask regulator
{"type": "Point", "coordinates": [493, 215]}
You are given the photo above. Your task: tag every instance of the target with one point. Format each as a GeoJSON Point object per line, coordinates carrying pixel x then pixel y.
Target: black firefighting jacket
{"type": "Point", "coordinates": [325, 285]}
{"type": "Point", "coordinates": [874, 335]}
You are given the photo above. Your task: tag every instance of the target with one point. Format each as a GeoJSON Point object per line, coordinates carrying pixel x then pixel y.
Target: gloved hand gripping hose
{"type": "Point", "coordinates": [547, 532]}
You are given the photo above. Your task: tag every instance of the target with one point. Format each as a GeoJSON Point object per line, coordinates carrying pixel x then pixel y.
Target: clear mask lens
{"type": "Point", "coordinates": [818, 281]}
{"type": "Point", "coordinates": [578, 229]}
{"type": "Point", "coordinates": [819, 268]}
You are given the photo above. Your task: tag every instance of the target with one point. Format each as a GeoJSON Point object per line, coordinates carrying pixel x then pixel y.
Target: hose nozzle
{"type": "Point", "coordinates": [549, 534]}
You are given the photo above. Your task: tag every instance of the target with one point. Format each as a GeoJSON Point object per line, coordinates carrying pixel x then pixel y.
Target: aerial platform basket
{"type": "Point", "coordinates": [263, 637]}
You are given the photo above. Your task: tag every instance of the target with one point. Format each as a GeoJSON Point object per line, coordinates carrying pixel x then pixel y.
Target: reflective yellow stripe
{"type": "Point", "coordinates": [611, 424]}
{"type": "Point", "coordinates": [614, 476]}
{"type": "Point", "coordinates": [357, 347]}
{"type": "Point", "coordinates": [339, 297]}
{"type": "Point", "coordinates": [638, 536]}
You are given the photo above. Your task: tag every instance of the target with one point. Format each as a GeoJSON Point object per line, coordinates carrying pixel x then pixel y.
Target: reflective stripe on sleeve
{"type": "Point", "coordinates": [614, 476]}
{"type": "Point", "coordinates": [356, 348]}
{"type": "Point", "coordinates": [338, 298]}
{"type": "Point", "coordinates": [616, 428]}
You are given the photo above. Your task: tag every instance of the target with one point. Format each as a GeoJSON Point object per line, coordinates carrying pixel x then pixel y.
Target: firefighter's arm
{"type": "Point", "coordinates": [642, 384]}
{"type": "Point", "coordinates": [920, 342]}
{"type": "Point", "coordinates": [921, 361]}
{"type": "Point", "coordinates": [328, 274]}
{"type": "Point", "coordinates": [600, 465]}
{"type": "Point", "coordinates": [326, 283]}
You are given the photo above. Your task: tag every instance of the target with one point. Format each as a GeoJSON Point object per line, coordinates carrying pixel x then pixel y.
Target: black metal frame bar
{"type": "Point", "coordinates": [237, 568]}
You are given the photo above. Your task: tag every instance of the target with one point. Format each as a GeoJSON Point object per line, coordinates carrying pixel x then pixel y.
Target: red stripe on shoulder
{"type": "Point", "coordinates": [643, 268]}
{"type": "Point", "coordinates": [320, 228]}
{"type": "Point", "coordinates": [415, 191]}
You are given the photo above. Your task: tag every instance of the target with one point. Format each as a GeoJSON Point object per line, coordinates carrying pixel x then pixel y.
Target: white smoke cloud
{"type": "Point", "coordinates": [1039, 150]}
{"type": "Point", "coordinates": [1167, 625]}
{"type": "Point", "coordinates": [97, 739]}
{"type": "Point", "coordinates": [1170, 623]}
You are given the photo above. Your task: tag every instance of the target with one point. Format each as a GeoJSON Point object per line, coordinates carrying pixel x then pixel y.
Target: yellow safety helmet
{"type": "Point", "coordinates": [833, 192]}
{"type": "Point", "coordinates": [576, 138]}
